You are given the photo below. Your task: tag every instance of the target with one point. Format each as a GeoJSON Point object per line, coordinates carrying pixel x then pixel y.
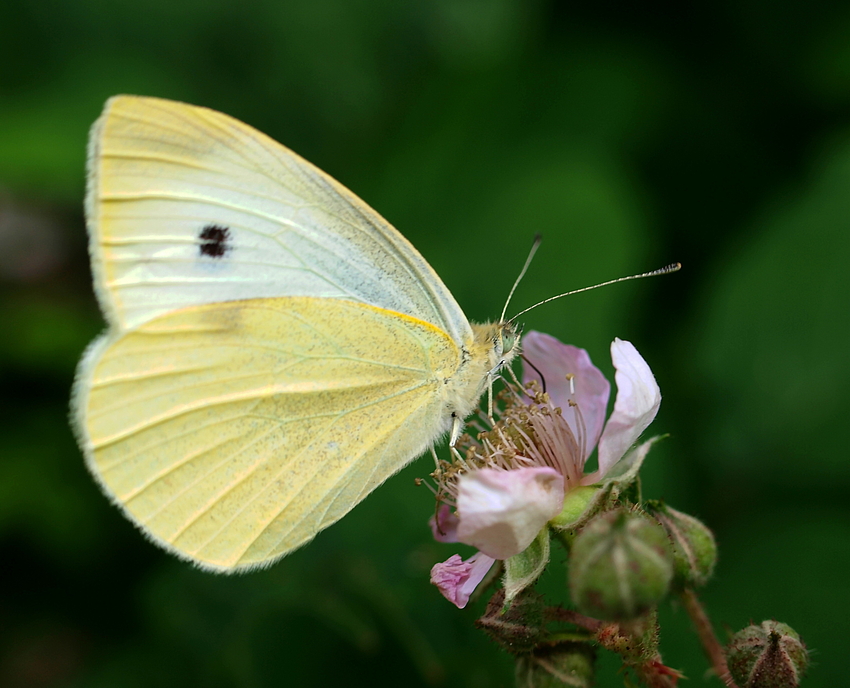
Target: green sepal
{"type": "Point", "coordinates": [523, 569]}
{"type": "Point", "coordinates": [625, 471]}
{"type": "Point", "coordinates": [694, 546]}
{"type": "Point", "coordinates": [631, 494]}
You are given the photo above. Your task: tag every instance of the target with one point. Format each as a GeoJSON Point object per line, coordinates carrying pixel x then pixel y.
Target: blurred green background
{"type": "Point", "coordinates": [630, 135]}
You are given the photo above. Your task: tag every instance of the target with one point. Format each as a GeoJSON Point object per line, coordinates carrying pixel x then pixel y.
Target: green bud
{"type": "Point", "coordinates": [518, 626]}
{"type": "Point", "coordinates": [694, 547]}
{"type": "Point", "coordinates": [566, 664]}
{"type": "Point", "coordinates": [620, 566]}
{"type": "Point", "coordinates": [768, 655]}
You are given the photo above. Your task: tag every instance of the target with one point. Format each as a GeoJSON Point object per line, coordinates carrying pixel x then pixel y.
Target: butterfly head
{"type": "Point", "coordinates": [496, 345]}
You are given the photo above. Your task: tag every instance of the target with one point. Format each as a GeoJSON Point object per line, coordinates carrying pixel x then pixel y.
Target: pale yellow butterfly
{"type": "Point", "coordinates": [275, 350]}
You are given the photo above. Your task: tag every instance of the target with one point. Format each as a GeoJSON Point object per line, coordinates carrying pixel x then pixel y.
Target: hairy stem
{"type": "Point", "coordinates": [655, 675]}
{"type": "Point", "coordinates": [704, 630]}
{"type": "Point", "coordinates": [568, 616]}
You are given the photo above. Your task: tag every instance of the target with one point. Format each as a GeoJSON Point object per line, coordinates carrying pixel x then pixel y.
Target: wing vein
{"type": "Point", "coordinates": [273, 479]}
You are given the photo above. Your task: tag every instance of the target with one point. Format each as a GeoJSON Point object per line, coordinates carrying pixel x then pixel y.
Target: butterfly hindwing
{"type": "Point", "coordinates": [232, 433]}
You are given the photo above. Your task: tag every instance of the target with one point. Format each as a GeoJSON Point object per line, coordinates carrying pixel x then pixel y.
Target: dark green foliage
{"type": "Point", "coordinates": [629, 135]}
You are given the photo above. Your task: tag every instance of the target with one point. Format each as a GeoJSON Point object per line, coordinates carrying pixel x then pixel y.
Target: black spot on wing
{"type": "Point", "coordinates": [214, 241]}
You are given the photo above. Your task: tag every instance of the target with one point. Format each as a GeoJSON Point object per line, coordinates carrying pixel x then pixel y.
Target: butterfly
{"type": "Point", "coordinates": [275, 349]}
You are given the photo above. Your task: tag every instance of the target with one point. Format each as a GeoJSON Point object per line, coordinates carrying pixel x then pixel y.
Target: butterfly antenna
{"type": "Point", "coordinates": [534, 246]}
{"type": "Point", "coordinates": [661, 271]}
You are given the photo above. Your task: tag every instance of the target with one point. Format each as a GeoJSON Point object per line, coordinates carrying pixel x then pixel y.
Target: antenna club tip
{"type": "Point", "coordinates": [667, 269]}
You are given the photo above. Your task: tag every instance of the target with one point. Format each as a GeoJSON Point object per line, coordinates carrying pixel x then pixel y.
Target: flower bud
{"type": "Point", "coordinates": [620, 566]}
{"type": "Point", "coordinates": [566, 664]}
{"type": "Point", "coordinates": [768, 655]}
{"type": "Point", "coordinates": [517, 627]}
{"type": "Point", "coordinates": [694, 548]}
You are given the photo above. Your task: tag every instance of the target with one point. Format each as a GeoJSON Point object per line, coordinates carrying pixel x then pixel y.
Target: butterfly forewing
{"type": "Point", "coordinates": [188, 206]}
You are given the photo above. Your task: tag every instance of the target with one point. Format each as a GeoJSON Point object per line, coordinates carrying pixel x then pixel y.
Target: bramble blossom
{"type": "Point", "coordinates": [514, 478]}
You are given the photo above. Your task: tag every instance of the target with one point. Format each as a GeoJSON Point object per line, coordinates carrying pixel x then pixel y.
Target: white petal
{"type": "Point", "coordinates": [638, 399]}
{"type": "Point", "coordinates": [555, 361]}
{"type": "Point", "coordinates": [501, 512]}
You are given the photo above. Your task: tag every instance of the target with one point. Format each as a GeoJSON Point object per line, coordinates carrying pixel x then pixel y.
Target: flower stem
{"type": "Point", "coordinates": [568, 616]}
{"type": "Point", "coordinates": [704, 630]}
{"type": "Point", "coordinates": [655, 675]}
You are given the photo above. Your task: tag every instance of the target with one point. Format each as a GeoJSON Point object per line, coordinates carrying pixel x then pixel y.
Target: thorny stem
{"type": "Point", "coordinates": [656, 675]}
{"type": "Point", "coordinates": [652, 672]}
{"type": "Point", "coordinates": [568, 616]}
{"type": "Point", "coordinates": [704, 630]}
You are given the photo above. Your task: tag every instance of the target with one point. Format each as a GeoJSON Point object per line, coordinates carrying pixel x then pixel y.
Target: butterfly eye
{"type": "Point", "coordinates": [509, 340]}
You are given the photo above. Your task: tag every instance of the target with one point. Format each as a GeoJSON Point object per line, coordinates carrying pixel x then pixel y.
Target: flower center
{"type": "Point", "coordinates": [524, 432]}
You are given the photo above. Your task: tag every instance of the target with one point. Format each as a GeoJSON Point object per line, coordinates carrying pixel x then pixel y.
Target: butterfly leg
{"type": "Point", "coordinates": [490, 378]}
{"type": "Point", "coordinates": [457, 429]}
{"type": "Point", "coordinates": [436, 458]}
{"type": "Point", "coordinates": [518, 384]}
{"type": "Point", "coordinates": [458, 457]}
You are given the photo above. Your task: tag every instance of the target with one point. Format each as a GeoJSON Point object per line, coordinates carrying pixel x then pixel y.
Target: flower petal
{"type": "Point", "coordinates": [555, 361]}
{"type": "Point", "coordinates": [502, 511]}
{"type": "Point", "coordinates": [444, 524]}
{"type": "Point", "coordinates": [638, 399]}
{"type": "Point", "coordinates": [457, 579]}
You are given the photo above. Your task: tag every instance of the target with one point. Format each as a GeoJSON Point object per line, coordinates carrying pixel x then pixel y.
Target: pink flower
{"type": "Point", "coordinates": [574, 383]}
{"type": "Point", "coordinates": [515, 476]}
{"type": "Point", "coordinates": [457, 579]}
